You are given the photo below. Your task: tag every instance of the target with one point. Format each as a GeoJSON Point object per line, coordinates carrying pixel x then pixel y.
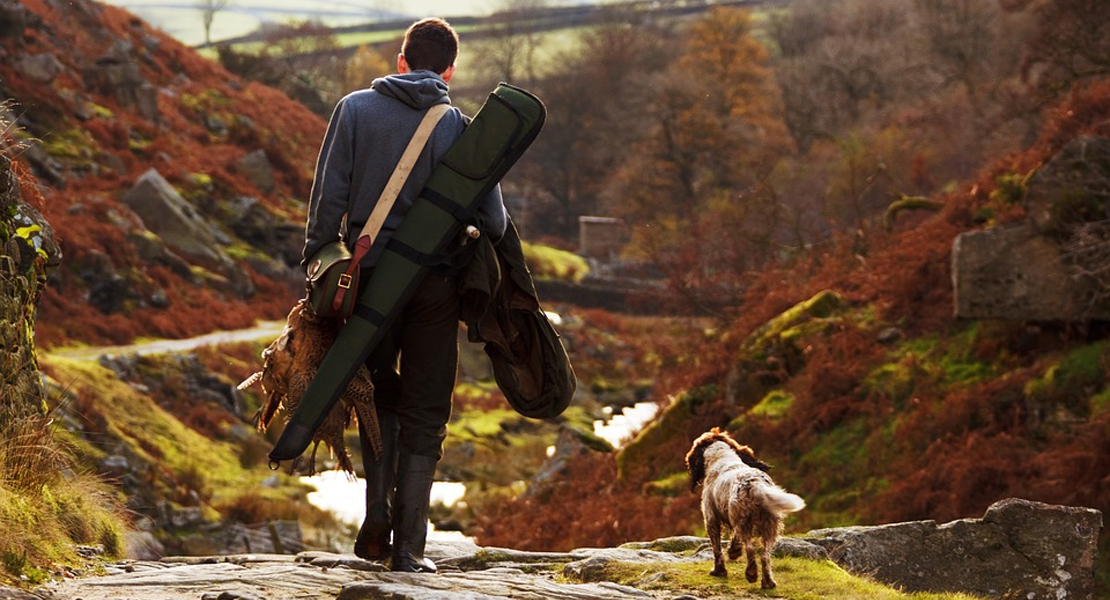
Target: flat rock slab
{"type": "Point", "coordinates": [272, 577]}
{"type": "Point", "coordinates": [496, 583]}
{"type": "Point", "coordinates": [225, 581]}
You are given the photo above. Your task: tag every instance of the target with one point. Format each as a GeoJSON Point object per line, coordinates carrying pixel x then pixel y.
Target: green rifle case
{"type": "Point", "coordinates": [504, 127]}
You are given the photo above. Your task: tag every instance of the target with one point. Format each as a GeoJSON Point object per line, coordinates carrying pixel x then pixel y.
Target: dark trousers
{"type": "Point", "coordinates": [414, 366]}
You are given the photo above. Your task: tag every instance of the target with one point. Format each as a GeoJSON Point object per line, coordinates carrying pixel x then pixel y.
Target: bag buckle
{"type": "Point", "coordinates": [344, 281]}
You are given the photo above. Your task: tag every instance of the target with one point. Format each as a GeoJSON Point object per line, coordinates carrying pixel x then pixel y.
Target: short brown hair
{"type": "Point", "coordinates": [430, 44]}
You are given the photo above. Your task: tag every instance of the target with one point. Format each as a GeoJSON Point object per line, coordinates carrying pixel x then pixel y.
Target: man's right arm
{"type": "Point", "coordinates": [331, 185]}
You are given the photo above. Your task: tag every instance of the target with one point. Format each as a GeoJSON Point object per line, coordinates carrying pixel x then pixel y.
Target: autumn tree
{"type": "Point", "coordinates": [598, 95]}
{"type": "Point", "coordinates": [1070, 45]}
{"type": "Point", "coordinates": [508, 51]}
{"type": "Point", "coordinates": [365, 65]}
{"type": "Point", "coordinates": [714, 129]}
{"type": "Point", "coordinates": [840, 62]}
{"type": "Point", "coordinates": [891, 99]}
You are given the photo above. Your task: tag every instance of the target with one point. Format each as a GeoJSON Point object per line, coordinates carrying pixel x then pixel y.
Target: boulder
{"type": "Point", "coordinates": [571, 444]}
{"type": "Point", "coordinates": [14, 18]}
{"type": "Point", "coordinates": [256, 225]}
{"type": "Point", "coordinates": [258, 170]}
{"type": "Point", "coordinates": [1016, 273]}
{"type": "Point", "coordinates": [40, 68]}
{"type": "Point", "coordinates": [1031, 271]}
{"type": "Point", "coordinates": [169, 215]}
{"type": "Point", "coordinates": [1019, 549]}
{"type": "Point", "coordinates": [121, 78]}
{"type": "Point", "coordinates": [142, 545]}
{"type": "Point", "coordinates": [1060, 192]}
{"type": "Point", "coordinates": [275, 537]}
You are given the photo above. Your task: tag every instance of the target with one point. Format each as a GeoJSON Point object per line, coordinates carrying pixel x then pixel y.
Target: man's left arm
{"type": "Point", "coordinates": [495, 218]}
{"type": "Point", "coordinates": [329, 199]}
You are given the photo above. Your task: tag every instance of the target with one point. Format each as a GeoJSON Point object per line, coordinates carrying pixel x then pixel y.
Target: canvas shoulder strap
{"type": "Point", "coordinates": [390, 192]}
{"type": "Point", "coordinates": [400, 176]}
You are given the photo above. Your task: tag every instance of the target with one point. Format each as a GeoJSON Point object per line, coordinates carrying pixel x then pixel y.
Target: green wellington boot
{"type": "Point", "coordinates": [372, 542]}
{"type": "Point", "coordinates": [410, 518]}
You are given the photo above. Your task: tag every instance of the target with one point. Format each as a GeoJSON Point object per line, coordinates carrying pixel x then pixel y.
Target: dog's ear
{"type": "Point", "coordinates": [748, 456]}
{"type": "Point", "coordinates": [695, 464]}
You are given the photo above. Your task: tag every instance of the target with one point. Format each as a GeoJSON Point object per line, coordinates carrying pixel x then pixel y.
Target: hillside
{"type": "Point", "coordinates": [106, 98]}
{"type": "Point", "coordinates": [841, 364]}
{"type": "Point", "coordinates": [849, 373]}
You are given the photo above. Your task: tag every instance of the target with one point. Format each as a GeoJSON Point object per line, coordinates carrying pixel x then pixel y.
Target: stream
{"type": "Point", "coordinates": [343, 495]}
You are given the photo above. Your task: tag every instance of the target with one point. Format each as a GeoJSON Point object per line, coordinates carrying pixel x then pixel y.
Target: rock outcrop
{"type": "Point", "coordinates": [1019, 549]}
{"type": "Point", "coordinates": [1034, 270]}
{"type": "Point", "coordinates": [166, 213]}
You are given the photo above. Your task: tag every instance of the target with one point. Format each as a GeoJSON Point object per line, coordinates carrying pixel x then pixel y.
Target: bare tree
{"type": "Point", "coordinates": [509, 54]}
{"type": "Point", "coordinates": [208, 9]}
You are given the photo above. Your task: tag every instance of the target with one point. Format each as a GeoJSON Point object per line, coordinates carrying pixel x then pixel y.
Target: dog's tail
{"type": "Point", "coordinates": [778, 500]}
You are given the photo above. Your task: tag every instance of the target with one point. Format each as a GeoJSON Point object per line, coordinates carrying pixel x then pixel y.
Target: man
{"type": "Point", "coordinates": [414, 366]}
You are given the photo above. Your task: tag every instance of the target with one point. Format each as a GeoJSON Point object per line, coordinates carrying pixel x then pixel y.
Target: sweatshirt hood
{"type": "Point", "coordinates": [418, 89]}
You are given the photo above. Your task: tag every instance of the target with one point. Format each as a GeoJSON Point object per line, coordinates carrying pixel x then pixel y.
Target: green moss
{"type": "Point", "coordinates": [821, 306]}
{"type": "Point", "coordinates": [1078, 376]}
{"type": "Point", "coordinates": [546, 262]}
{"type": "Point", "coordinates": [74, 145]}
{"type": "Point", "coordinates": [673, 485]}
{"type": "Point", "coordinates": [931, 361]}
{"type": "Point", "coordinates": [100, 112]}
{"type": "Point", "coordinates": [774, 405]}
{"type": "Point", "coordinates": [205, 101]}
{"type": "Point", "coordinates": [1100, 401]}
{"type": "Point", "coordinates": [834, 473]}
{"type": "Point", "coordinates": [156, 436]}
{"type": "Point", "coordinates": [471, 425]}
{"type": "Point", "coordinates": [1010, 187]}
{"type": "Point", "coordinates": [797, 578]}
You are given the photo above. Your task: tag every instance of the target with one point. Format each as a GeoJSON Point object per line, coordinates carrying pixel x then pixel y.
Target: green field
{"type": "Point", "coordinates": [183, 20]}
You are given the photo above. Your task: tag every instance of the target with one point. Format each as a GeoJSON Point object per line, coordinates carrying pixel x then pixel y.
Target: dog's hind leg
{"type": "Point", "coordinates": [752, 572]}
{"type": "Point", "coordinates": [713, 530]}
{"type": "Point", "coordinates": [770, 536]}
{"type": "Point", "coordinates": [768, 582]}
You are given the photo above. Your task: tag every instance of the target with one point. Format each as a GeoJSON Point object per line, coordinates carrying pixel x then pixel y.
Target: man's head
{"type": "Point", "coordinates": [430, 44]}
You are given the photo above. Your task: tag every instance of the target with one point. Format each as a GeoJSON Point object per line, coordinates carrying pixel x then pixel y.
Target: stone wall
{"type": "Point", "coordinates": [27, 253]}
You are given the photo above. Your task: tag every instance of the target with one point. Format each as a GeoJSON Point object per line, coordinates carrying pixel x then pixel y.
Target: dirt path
{"type": "Point", "coordinates": [266, 330]}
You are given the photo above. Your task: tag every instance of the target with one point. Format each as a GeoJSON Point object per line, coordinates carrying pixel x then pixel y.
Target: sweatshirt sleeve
{"type": "Point", "coordinates": [495, 217]}
{"type": "Point", "coordinates": [331, 184]}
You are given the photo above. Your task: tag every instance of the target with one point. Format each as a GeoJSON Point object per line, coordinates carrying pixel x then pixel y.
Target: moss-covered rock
{"type": "Point", "coordinates": [775, 350]}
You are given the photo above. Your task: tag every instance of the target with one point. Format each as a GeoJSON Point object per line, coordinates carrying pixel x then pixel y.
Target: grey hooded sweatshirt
{"type": "Point", "coordinates": [368, 131]}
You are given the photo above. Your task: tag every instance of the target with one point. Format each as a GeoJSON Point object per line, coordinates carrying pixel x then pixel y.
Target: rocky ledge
{"type": "Point", "coordinates": [1018, 549]}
